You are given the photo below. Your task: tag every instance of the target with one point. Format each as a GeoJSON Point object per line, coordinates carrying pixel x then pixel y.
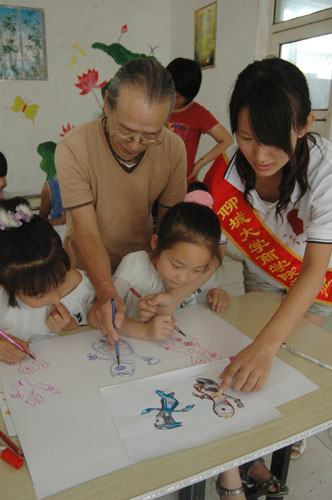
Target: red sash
{"type": "Point", "coordinates": [247, 231]}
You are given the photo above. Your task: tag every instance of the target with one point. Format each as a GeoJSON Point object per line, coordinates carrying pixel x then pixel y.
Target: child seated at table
{"type": "Point", "coordinates": [39, 292]}
{"type": "Point", "coordinates": [187, 240]}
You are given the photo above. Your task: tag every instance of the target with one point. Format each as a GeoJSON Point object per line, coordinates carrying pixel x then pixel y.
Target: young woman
{"type": "Point", "coordinates": [275, 203]}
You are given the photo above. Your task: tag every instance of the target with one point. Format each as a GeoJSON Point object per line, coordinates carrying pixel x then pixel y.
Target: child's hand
{"type": "Point", "coordinates": [158, 303]}
{"type": "Point", "coordinates": [161, 327]}
{"type": "Point", "coordinates": [219, 299]}
{"type": "Point", "coordinates": [11, 354]}
{"type": "Point", "coordinates": [60, 319]}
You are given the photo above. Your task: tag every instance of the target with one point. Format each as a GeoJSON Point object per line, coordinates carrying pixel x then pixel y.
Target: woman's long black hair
{"type": "Point", "coordinates": [276, 95]}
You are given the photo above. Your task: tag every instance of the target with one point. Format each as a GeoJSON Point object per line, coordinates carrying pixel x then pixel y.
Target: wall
{"type": "Point", "coordinates": [168, 24]}
{"type": "Point", "coordinates": [236, 47]}
{"type": "Point", "coordinates": [67, 22]}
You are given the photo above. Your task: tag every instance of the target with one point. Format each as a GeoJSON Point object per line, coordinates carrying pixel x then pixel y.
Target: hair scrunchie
{"type": "Point", "coordinates": [14, 218]}
{"type": "Point", "coordinates": [201, 197]}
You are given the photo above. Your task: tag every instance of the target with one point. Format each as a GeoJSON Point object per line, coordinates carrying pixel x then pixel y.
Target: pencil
{"type": "Point", "coordinates": [306, 356]}
{"type": "Point", "coordinates": [116, 342]}
{"type": "Point", "coordinates": [11, 444]}
{"type": "Point", "coordinates": [135, 292]}
{"type": "Point", "coordinates": [16, 344]}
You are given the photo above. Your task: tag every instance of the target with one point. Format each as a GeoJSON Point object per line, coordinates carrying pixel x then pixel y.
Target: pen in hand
{"type": "Point", "coordinates": [135, 292]}
{"type": "Point", "coordinates": [16, 344]}
{"type": "Point", "coordinates": [116, 342]}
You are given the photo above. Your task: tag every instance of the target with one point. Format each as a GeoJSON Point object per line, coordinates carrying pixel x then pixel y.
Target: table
{"type": "Point", "coordinates": [147, 480]}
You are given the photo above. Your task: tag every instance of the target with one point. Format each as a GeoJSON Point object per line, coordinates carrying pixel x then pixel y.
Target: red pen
{"type": "Point", "coordinates": [135, 292]}
{"type": "Point", "coordinates": [11, 444]}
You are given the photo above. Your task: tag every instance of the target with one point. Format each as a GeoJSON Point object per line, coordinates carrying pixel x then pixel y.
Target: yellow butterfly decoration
{"type": "Point", "coordinates": [29, 110]}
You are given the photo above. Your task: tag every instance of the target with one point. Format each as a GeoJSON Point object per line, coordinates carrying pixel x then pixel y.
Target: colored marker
{"type": "Point", "coordinates": [11, 444]}
{"type": "Point", "coordinates": [16, 344]}
{"type": "Point", "coordinates": [135, 292]}
{"type": "Point", "coordinates": [306, 356]}
{"type": "Point", "coordinates": [11, 458]}
{"type": "Point", "coordinates": [116, 342]}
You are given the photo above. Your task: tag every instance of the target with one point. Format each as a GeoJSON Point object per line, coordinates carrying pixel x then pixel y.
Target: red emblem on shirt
{"type": "Point", "coordinates": [295, 222]}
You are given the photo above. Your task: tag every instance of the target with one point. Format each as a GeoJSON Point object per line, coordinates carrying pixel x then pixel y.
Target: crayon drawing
{"type": "Point", "coordinates": [29, 393]}
{"type": "Point", "coordinates": [221, 405]}
{"type": "Point", "coordinates": [31, 366]}
{"type": "Point", "coordinates": [190, 347]}
{"type": "Point", "coordinates": [164, 418]}
{"type": "Point", "coordinates": [127, 356]}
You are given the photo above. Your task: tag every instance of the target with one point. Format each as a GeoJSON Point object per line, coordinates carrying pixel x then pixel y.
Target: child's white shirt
{"type": "Point", "coordinates": [136, 270]}
{"type": "Point", "coordinates": [28, 323]}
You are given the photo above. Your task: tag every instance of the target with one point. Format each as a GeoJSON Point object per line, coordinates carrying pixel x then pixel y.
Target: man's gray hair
{"type": "Point", "coordinates": [148, 76]}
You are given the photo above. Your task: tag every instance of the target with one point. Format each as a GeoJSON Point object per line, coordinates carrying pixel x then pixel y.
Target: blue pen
{"type": "Point", "coordinates": [116, 342]}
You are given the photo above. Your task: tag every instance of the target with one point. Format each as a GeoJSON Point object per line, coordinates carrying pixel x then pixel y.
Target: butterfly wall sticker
{"type": "Point", "coordinates": [29, 110]}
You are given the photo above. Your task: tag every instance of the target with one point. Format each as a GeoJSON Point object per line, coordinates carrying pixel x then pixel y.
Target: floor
{"type": "Point", "coordinates": [309, 477]}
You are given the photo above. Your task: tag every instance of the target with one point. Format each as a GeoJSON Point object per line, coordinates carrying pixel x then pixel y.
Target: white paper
{"type": "Point", "coordinates": [161, 430]}
{"type": "Point", "coordinates": [61, 417]}
{"type": "Point", "coordinates": [10, 427]}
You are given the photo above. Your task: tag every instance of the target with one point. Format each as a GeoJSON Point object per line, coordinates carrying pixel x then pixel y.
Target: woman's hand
{"type": "Point", "coordinates": [197, 167]}
{"type": "Point", "coordinates": [161, 327]}
{"type": "Point", "coordinates": [218, 299]}
{"type": "Point", "coordinates": [11, 354]}
{"type": "Point", "coordinates": [249, 370]}
{"type": "Point", "coordinates": [159, 303]}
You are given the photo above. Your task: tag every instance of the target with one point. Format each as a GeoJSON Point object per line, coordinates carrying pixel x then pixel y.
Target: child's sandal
{"type": "Point", "coordinates": [263, 487]}
{"type": "Point", "coordinates": [224, 492]}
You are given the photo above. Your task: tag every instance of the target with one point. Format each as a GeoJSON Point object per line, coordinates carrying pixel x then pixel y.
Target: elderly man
{"type": "Point", "coordinates": [112, 169]}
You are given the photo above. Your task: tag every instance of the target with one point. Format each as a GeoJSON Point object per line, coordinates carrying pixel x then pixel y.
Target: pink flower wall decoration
{"type": "Point", "coordinates": [88, 81]}
{"type": "Point", "coordinates": [65, 130]}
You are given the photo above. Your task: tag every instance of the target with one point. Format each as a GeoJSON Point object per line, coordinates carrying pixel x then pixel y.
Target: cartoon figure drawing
{"type": "Point", "coordinates": [29, 393]}
{"type": "Point", "coordinates": [30, 366]}
{"type": "Point", "coordinates": [190, 347]}
{"type": "Point", "coordinates": [127, 364]}
{"type": "Point", "coordinates": [221, 406]}
{"type": "Point", "coordinates": [164, 419]}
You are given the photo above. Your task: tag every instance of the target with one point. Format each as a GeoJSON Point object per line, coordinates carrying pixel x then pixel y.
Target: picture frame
{"type": "Point", "coordinates": [22, 43]}
{"type": "Point", "coordinates": [205, 35]}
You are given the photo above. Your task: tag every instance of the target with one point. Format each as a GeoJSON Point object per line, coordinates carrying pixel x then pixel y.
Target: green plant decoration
{"type": "Point", "coordinates": [46, 151]}
{"type": "Point", "coordinates": [118, 52]}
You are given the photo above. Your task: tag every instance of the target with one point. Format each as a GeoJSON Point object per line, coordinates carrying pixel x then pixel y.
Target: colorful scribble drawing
{"type": "Point", "coordinates": [30, 366]}
{"type": "Point", "coordinates": [128, 355]}
{"type": "Point", "coordinates": [190, 347]}
{"type": "Point", "coordinates": [164, 418]}
{"type": "Point", "coordinates": [29, 393]}
{"type": "Point", "coordinates": [221, 405]}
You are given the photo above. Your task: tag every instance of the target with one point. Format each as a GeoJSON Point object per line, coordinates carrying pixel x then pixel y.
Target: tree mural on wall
{"type": "Point", "coordinates": [22, 46]}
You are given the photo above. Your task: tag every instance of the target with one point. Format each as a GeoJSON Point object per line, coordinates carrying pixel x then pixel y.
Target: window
{"type": "Point", "coordinates": [290, 9]}
{"type": "Point", "coordinates": [302, 34]}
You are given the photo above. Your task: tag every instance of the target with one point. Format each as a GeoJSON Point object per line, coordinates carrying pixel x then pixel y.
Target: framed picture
{"type": "Point", "coordinates": [205, 35]}
{"type": "Point", "coordinates": [22, 44]}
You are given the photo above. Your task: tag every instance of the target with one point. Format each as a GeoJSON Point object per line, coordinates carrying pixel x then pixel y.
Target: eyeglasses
{"type": "Point", "coordinates": [128, 138]}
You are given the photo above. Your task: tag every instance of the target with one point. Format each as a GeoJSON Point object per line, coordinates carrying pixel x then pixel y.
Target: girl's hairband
{"type": "Point", "coordinates": [14, 218]}
{"type": "Point", "coordinates": [201, 197]}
